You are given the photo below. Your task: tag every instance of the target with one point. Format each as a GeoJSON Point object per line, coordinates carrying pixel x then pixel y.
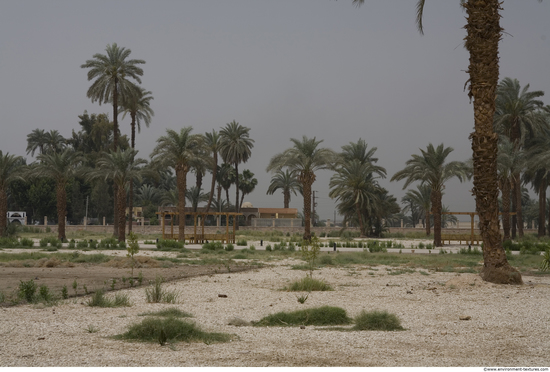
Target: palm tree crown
{"type": "Point", "coordinates": [286, 181]}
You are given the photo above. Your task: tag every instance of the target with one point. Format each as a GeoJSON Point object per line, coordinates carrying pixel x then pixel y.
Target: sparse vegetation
{"type": "Point", "coordinates": [377, 321]}
{"type": "Point", "coordinates": [155, 293]}
{"type": "Point", "coordinates": [100, 300]}
{"type": "Point", "coordinates": [321, 316]}
{"type": "Point", "coordinates": [308, 284]}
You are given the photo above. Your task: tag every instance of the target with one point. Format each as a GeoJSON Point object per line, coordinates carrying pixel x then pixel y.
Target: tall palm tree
{"type": "Point", "coordinates": [421, 197]}
{"type": "Point", "coordinates": [519, 117]}
{"type": "Point", "coordinates": [138, 106]}
{"type": "Point", "coordinates": [247, 183]}
{"type": "Point", "coordinates": [430, 169]}
{"type": "Point", "coordinates": [122, 168]}
{"type": "Point", "coordinates": [212, 143]}
{"type": "Point", "coordinates": [355, 182]}
{"type": "Point", "coordinates": [111, 72]}
{"type": "Point", "coordinates": [54, 141]}
{"type": "Point", "coordinates": [235, 148]}
{"type": "Point", "coordinates": [10, 170]}
{"type": "Point", "coordinates": [195, 196]}
{"type": "Point", "coordinates": [304, 158]}
{"type": "Point", "coordinates": [178, 151]}
{"type": "Point", "coordinates": [358, 151]}
{"type": "Point", "coordinates": [61, 167]}
{"type": "Point", "coordinates": [287, 182]}
{"type": "Point", "coordinates": [483, 35]}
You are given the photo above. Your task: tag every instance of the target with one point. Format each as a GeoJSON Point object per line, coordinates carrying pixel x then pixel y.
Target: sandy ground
{"type": "Point", "coordinates": [505, 326]}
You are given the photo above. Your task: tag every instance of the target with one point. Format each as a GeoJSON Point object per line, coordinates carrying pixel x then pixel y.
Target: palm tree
{"type": "Point", "coordinates": [247, 183]}
{"type": "Point", "coordinates": [10, 170]}
{"type": "Point", "coordinates": [304, 158]}
{"type": "Point", "coordinates": [54, 141]}
{"type": "Point", "coordinates": [421, 197]}
{"type": "Point", "coordinates": [483, 35]}
{"type": "Point", "coordinates": [430, 169]}
{"type": "Point", "coordinates": [212, 143]}
{"type": "Point", "coordinates": [111, 72]}
{"type": "Point", "coordinates": [36, 141]}
{"type": "Point", "coordinates": [122, 168]}
{"type": "Point", "coordinates": [518, 116]}
{"type": "Point", "coordinates": [61, 167]}
{"type": "Point", "coordinates": [178, 151]}
{"type": "Point", "coordinates": [286, 181]}
{"type": "Point", "coordinates": [355, 182]}
{"type": "Point", "coordinates": [138, 106]}
{"type": "Point", "coordinates": [195, 196]}
{"type": "Point", "coordinates": [235, 148]}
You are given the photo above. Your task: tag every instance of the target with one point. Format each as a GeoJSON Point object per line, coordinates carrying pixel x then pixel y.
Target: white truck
{"type": "Point", "coordinates": [17, 218]}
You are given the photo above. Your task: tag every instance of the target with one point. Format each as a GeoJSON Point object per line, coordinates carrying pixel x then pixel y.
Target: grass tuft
{"type": "Point", "coordinates": [172, 330]}
{"type": "Point", "coordinates": [170, 312]}
{"type": "Point", "coordinates": [309, 284]}
{"type": "Point", "coordinates": [377, 321]}
{"type": "Point", "coordinates": [320, 316]}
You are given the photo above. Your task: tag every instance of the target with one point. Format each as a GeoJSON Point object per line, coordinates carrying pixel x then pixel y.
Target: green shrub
{"type": "Point", "coordinates": [213, 246]}
{"type": "Point", "coordinates": [268, 247]}
{"type": "Point", "coordinates": [545, 266]}
{"type": "Point", "coordinates": [229, 247]}
{"type": "Point", "coordinates": [308, 284]}
{"type": "Point", "coordinates": [377, 321]}
{"type": "Point", "coordinates": [99, 299]}
{"type": "Point", "coordinates": [157, 294]}
{"type": "Point", "coordinates": [44, 293]}
{"type": "Point", "coordinates": [170, 312]}
{"type": "Point", "coordinates": [72, 244]}
{"type": "Point", "coordinates": [242, 242]}
{"type": "Point", "coordinates": [469, 250]}
{"type": "Point", "coordinates": [171, 329]}
{"type": "Point", "coordinates": [64, 292]}
{"type": "Point", "coordinates": [320, 316]}
{"type": "Point", "coordinates": [27, 290]}
{"type": "Point", "coordinates": [26, 242]}
{"type": "Point", "coordinates": [82, 244]}
{"type": "Point", "coordinates": [326, 260]}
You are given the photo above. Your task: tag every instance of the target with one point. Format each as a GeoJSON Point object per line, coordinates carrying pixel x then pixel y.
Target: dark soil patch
{"type": "Point", "coordinates": [100, 276]}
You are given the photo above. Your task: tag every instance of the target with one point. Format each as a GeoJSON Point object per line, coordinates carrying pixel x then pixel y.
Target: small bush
{"type": "Point", "coordinates": [268, 248]}
{"type": "Point", "coordinates": [44, 293]}
{"type": "Point", "coordinates": [229, 247]}
{"type": "Point", "coordinates": [320, 316]}
{"type": "Point", "coordinates": [242, 242]}
{"type": "Point", "coordinates": [65, 292]}
{"type": "Point", "coordinates": [27, 290]}
{"type": "Point", "coordinates": [158, 294]}
{"type": "Point", "coordinates": [377, 321]}
{"type": "Point", "coordinates": [309, 284]}
{"type": "Point", "coordinates": [469, 250]}
{"type": "Point", "coordinates": [168, 245]}
{"type": "Point", "coordinates": [213, 246]}
{"type": "Point", "coordinates": [170, 329]}
{"type": "Point", "coordinates": [82, 244]}
{"type": "Point", "coordinates": [26, 242]}
{"type": "Point", "coordinates": [99, 299]}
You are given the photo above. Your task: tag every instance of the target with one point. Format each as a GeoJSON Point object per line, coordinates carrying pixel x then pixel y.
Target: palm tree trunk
{"type": "Point", "coordinates": [61, 209]}
{"type": "Point", "coordinates": [237, 206]}
{"type": "Point", "coordinates": [213, 185]}
{"type": "Point", "coordinates": [542, 208]}
{"type": "Point", "coordinates": [361, 224]}
{"type": "Point", "coordinates": [131, 193]}
{"type": "Point", "coordinates": [115, 147]}
{"type": "Point", "coordinates": [286, 197]}
{"type": "Point", "coordinates": [181, 179]}
{"type": "Point", "coordinates": [307, 181]}
{"type": "Point", "coordinates": [483, 35]}
{"type": "Point", "coordinates": [514, 200]}
{"type": "Point", "coordinates": [519, 214]}
{"type": "Point", "coordinates": [121, 201]}
{"type": "Point", "coordinates": [506, 208]}
{"type": "Point", "coordinates": [427, 219]}
{"type": "Point", "coordinates": [115, 210]}
{"type": "Point", "coordinates": [436, 211]}
{"type": "Point", "coordinates": [3, 210]}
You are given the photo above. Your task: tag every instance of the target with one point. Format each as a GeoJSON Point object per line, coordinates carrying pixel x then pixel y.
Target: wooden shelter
{"type": "Point", "coordinates": [200, 237]}
{"type": "Point", "coordinates": [470, 239]}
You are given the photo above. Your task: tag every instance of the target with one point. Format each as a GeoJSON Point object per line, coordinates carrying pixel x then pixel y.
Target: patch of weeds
{"type": "Point", "coordinates": [469, 250]}
{"type": "Point", "coordinates": [302, 299]}
{"type": "Point", "coordinates": [27, 290]}
{"type": "Point", "coordinates": [92, 329]}
{"type": "Point", "coordinates": [170, 312]}
{"type": "Point", "coordinates": [401, 271]}
{"type": "Point", "coordinates": [308, 284]}
{"type": "Point", "coordinates": [320, 316]}
{"type": "Point", "coordinates": [163, 330]}
{"type": "Point", "coordinates": [64, 292]}
{"type": "Point", "coordinates": [377, 321]}
{"type": "Point", "coordinates": [99, 299]}
{"type": "Point", "coordinates": [158, 294]}
{"type": "Point", "coordinates": [229, 247]}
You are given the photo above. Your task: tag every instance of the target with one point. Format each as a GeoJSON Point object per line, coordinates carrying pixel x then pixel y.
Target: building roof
{"type": "Point", "coordinates": [278, 210]}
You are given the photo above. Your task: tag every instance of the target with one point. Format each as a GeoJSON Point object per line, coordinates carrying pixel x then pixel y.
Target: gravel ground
{"type": "Point", "coordinates": [507, 326]}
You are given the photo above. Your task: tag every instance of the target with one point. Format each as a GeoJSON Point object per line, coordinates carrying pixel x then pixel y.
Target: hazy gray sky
{"type": "Point", "coordinates": [284, 68]}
